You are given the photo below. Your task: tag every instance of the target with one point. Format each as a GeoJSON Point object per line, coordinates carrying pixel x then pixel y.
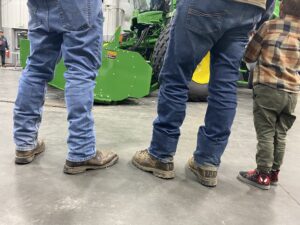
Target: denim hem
{"type": "Point", "coordinates": [275, 167]}
{"type": "Point", "coordinates": [264, 169]}
{"type": "Point", "coordinates": [204, 163]}
{"type": "Point", "coordinates": [26, 148]}
{"type": "Point", "coordinates": [72, 159]}
{"type": "Point", "coordinates": [159, 159]}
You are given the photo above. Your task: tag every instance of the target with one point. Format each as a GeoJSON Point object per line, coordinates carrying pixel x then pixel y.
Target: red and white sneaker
{"type": "Point", "coordinates": [255, 178]}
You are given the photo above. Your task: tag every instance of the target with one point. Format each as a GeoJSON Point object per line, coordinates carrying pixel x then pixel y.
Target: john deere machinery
{"type": "Point", "coordinates": [132, 60]}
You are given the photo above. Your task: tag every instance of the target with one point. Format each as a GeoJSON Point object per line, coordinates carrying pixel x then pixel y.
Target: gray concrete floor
{"type": "Point", "coordinates": [40, 193]}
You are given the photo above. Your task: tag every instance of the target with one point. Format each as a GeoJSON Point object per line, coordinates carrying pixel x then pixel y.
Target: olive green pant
{"type": "Point", "coordinates": [273, 116]}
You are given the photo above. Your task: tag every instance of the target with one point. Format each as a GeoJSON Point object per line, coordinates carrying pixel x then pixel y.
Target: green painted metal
{"type": "Point", "coordinates": [276, 12]}
{"type": "Point", "coordinates": [126, 70]}
{"type": "Point", "coordinates": [150, 17]}
{"type": "Point", "coordinates": [24, 51]}
{"type": "Point", "coordinates": [123, 74]}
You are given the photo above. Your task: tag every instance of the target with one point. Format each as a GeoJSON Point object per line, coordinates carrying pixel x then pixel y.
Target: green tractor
{"type": "Point", "coordinates": [132, 60]}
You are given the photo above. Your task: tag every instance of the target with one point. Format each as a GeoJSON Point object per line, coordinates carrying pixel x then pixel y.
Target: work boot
{"type": "Point", "coordinates": [206, 175]}
{"type": "Point", "coordinates": [101, 160]}
{"type": "Point", "coordinates": [274, 177]}
{"type": "Point", "coordinates": [255, 178]}
{"type": "Point", "coordinates": [25, 157]}
{"type": "Point", "coordinates": [144, 161]}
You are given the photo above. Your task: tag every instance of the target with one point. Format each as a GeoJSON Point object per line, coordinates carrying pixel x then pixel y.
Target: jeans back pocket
{"type": "Point", "coordinates": [34, 21]}
{"type": "Point", "coordinates": [78, 14]}
{"type": "Point", "coordinates": [204, 22]}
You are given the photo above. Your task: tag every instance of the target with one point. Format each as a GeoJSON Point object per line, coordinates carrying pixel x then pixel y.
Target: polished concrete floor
{"type": "Point", "coordinates": [40, 193]}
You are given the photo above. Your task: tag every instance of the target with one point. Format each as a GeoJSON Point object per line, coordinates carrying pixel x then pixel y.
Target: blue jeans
{"type": "Point", "coordinates": [71, 29]}
{"type": "Point", "coordinates": [222, 28]}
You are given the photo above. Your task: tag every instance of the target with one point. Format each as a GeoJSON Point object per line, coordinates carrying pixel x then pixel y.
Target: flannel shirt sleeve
{"type": "Point", "coordinates": [255, 45]}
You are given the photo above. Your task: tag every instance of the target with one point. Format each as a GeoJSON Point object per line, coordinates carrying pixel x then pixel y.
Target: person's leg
{"type": "Point", "coordinates": [226, 57]}
{"type": "Point", "coordinates": [284, 122]}
{"type": "Point", "coordinates": [191, 37]}
{"type": "Point", "coordinates": [81, 50]}
{"type": "Point", "coordinates": [2, 58]}
{"type": "Point", "coordinates": [267, 105]}
{"type": "Point", "coordinates": [45, 49]}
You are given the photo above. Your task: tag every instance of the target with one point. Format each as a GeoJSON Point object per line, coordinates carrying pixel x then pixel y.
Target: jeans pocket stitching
{"type": "Point", "coordinates": [67, 24]}
{"type": "Point", "coordinates": [33, 9]}
{"type": "Point", "coordinates": [197, 13]}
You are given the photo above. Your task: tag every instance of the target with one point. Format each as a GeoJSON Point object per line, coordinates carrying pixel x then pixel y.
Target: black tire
{"type": "Point", "coordinates": [198, 92]}
{"type": "Point", "coordinates": [159, 52]}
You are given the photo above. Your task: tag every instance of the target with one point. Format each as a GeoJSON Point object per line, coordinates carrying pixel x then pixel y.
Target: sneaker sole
{"type": "Point", "coordinates": [156, 172]}
{"type": "Point", "coordinates": [82, 169]}
{"type": "Point", "coordinates": [274, 183]}
{"type": "Point", "coordinates": [208, 182]}
{"type": "Point", "coordinates": [29, 159]}
{"type": "Point", "coordinates": [245, 180]}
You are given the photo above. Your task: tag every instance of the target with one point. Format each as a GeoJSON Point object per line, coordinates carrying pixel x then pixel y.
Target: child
{"type": "Point", "coordinates": [275, 47]}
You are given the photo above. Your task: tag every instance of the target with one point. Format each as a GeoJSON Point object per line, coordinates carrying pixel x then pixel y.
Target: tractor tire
{"type": "Point", "coordinates": [198, 92]}
{"type": "Point", "coordinates": [159, 52]}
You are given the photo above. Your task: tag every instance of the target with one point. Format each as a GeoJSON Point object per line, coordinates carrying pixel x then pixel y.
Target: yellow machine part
{"type": "Point", "coordinates": [202, 72]}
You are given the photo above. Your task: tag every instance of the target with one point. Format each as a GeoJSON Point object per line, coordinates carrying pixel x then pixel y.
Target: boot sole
{"type": "Point", "coordinates": [82, 169]}
{"type": "Point", "coordinates": [245, 180]}
{"type": "Point", "coordinates": [29, 159]}
{"type": "Point", "coordinates": [208, 182]}
{"type": "Point", "coordinates": [156, 172]}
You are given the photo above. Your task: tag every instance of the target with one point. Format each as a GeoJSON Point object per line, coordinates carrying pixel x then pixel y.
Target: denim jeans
{"type": "Point", "coordinates": [71, 29]}
{"type": "Point", "coordinates": [222, 28]}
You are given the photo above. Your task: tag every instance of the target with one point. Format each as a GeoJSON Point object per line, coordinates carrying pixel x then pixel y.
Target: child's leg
{"type": "Point", "coordinates": [265, 110]}
{"type": "Point", "coordinates": [284, 123]}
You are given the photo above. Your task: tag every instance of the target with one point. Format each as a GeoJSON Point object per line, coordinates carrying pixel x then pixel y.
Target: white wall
{"type": "Point", "coordinates": [14, 14]}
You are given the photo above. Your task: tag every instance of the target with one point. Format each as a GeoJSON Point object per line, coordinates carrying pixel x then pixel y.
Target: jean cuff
{"type": "Point", "coordinates": [164, 160]}
{"type": "Point", "coordinates": [162, 147]}
{"type": "Point", "coordinates": [75, 159]}
{"type": "Point", "coordinates": [264, 169]}
{"type": "Point", "coordinates": [26, 148]}
{"type": "Point", "coordinates": [204, 164]}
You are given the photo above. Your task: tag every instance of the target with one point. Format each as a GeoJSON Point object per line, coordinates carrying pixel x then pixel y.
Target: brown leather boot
{"type": "Point", "coordinates": [101, 160]}
{"type": "Point", "coordinates": [206, 175]}
{"type": "Point", "coordinates": [144, 161]}
{"type": "Point", "coordinates": [25, 157]}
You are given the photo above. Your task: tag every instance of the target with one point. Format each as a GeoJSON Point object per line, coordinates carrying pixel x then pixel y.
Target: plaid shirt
{"type": "Point", "coordinates": [276, 47]}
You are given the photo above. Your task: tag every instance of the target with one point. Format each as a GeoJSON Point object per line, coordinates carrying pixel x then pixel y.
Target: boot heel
{"type": "Point", "coordinates": [74, 170]}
